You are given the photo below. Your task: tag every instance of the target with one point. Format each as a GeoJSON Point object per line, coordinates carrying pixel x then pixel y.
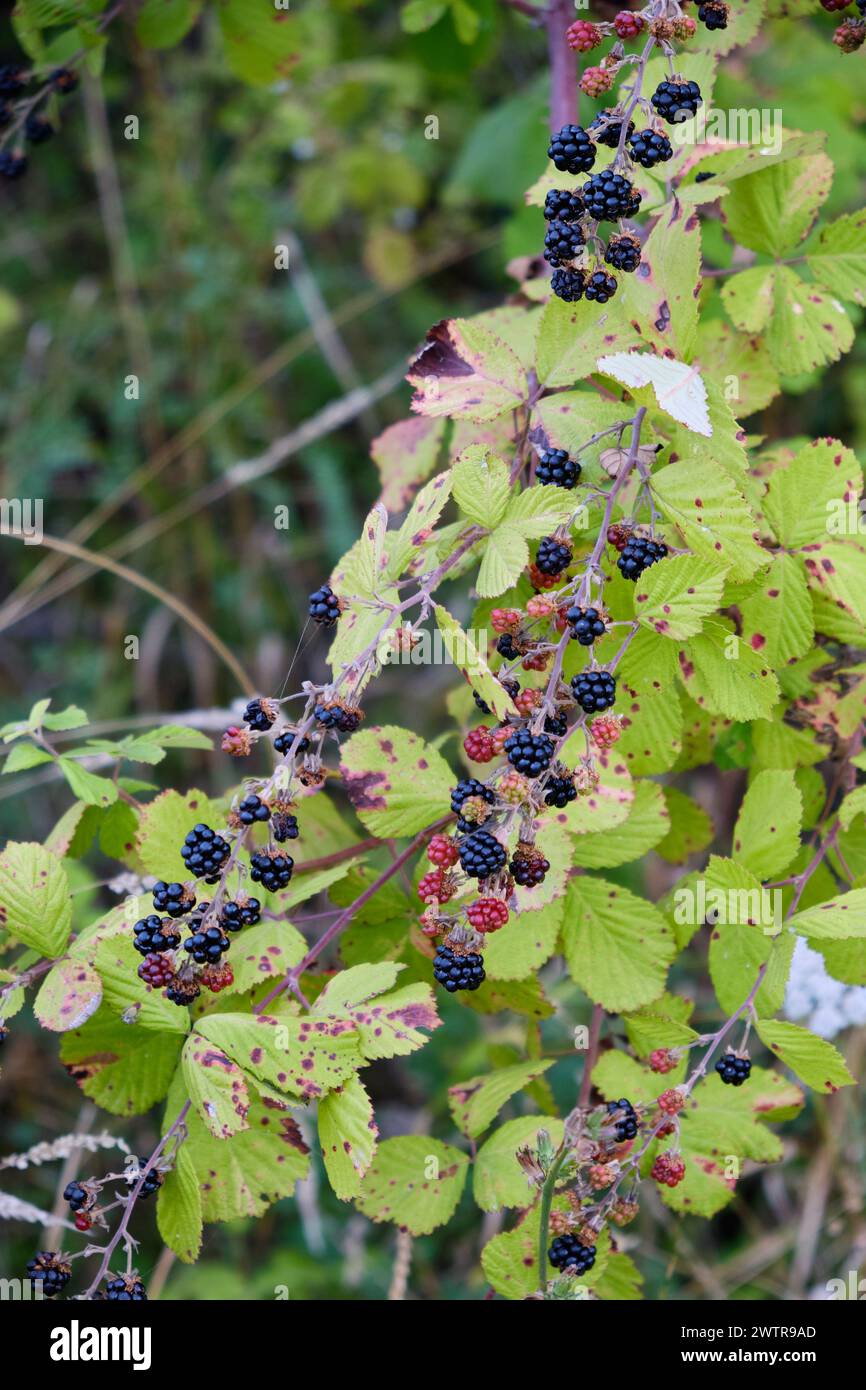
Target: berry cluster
{"type": "Point", "coordinates": [458, 971]}
{"type": "Point", "coordinates": [567, 1252]}
{"type": "Point", "coordinates": [51, 1270]}
{"type": "Point", "coordinates": [733, 1070]}
{"type": "Point", "coordinates": [18, 113]}
{"type": "Point", "coordinates": [585, 624]}
{"type": "Point", "coordinates": [594, 690]}
{"type": "Point", "coordinates": [638, 554]}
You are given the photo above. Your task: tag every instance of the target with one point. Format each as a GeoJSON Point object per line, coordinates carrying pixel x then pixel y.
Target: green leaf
{"type": "Point", "coordinates": [537, 511]}
{"type": "Point", "coordinates": [420, 521]}
{"type": "Point", "coordinates": [743, 939]}
{"type": "Point", "coordinates": [510, 1259]}
{"type": "Point", "coordinates": [740, 361]}
{"type": "Point", "coordinates": [178, 736]}
{"type": "Point", "coordinates": [262, 43]}
{"type": "Point", "coordinates": [95, 791]}
{"type": "Point", "coordinates": [216, 1087]}
{"type": "Point", "coordinates": [840, 919]}
{"type": "Point", "coordinates": [505, 557]}
{"type": "Point", "coordinates": [69, 994]}
{"type": "Point", "coordinates": [497, 1178]}
{"type": "Point", "coordinates": [661, 1024]}
{"type": "Point", "coordinates": [661, 299]}
{"type": "Point", "coordinates": [396, 782]}
{"type": "Point", "coordinates": [777, 620]}
{"type": "Point", "coordinates": [571, 338]}
{"type": "Point", "coordinates": [35, 906]}
{"type": "Point", "coordinates": [609, 804]}
{"type": "Point", "coordinates": [414, 1181]}
{"type": "Point", "coordinates": [163, 826]}
{"type": "Point", "coordinates": [117, 962]}
{"type": "Point", "coordinates": [356, 986]}
{"type": "Point", "coordinates": [621, 1280]}
{"type": "Point", "coordinates": [480, 485]}
{"type": "Point", "coordinates": [767, 832]}
{"type": "Point", "coordinates": [418, 15]}
{"type": "Point", "coordinates": [163, 23]}
{"type": "Point", "coordinates": [652, 724]}
{"type": "Point", "coordinates": [691, 828]}
{"type": "Point", "coordinates": [807, 493]}
{"type": "Point", "coordinates": [813, 1059]}
{"type": "Point", "coordinates": [838, 262]}
{"type": "Point", "coordinates": [748, 298]}
{"type": "Point", "coordinates": [347, 1135]}
{"type": "Point", "coordinates": [178, 1209]}
{"type": "Point", "coordinates": [853, 806]}
{"type": "Point", "coordinates": [472, 665]}
{"type": "Point", "coordinates": [23, 756]}
{"type": "Point", "coordinates": [773, 210]}
{"type": "Point", "coordinates": [124, 1069]}
{"type": "Point", "coordinates": [292, 1054]}
{"type": "Point", "coordinates": [475, 1103]}
{"type": "Point", "coordinates": [725, 676]}
{"type": "Point", "coordinates": [390, 1026]}
{"type": "Point", "coordinates": [70, 718]}
{"type": "Point", "coordinates": [467, 372]}
{"type": "Point", "coordinates": [712, 514]}
{"type": "Point", "coordinates": [264, 954]}
{"type": "Point", "coordinates": [837, 568]}
{"type": "Point", "coordinates": [673, 598]}
{"type": "Point", "coordinates": [616, 945]}
{"type": "Point", "coordinates": [524, 944]}
{"type": "Point", "coordinates": [807, 329]}
{"type": "Point", "coordinates": [646, 825]}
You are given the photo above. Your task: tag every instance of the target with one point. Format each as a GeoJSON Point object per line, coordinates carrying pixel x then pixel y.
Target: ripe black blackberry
{"type": "Point", "coordinates": [152, 1183]}
{"type": "Point", "coordinates": [154, 934]}
{"type": "Point", "coordinates": [481, 854]}
{"type": "Point", "coordinates": [559, 791]}
{"type": "Point", "coordinates": [13, 77]}
{"type": "Point", "coordinates": [622, 1115]}
{"type": "Point", "coordinates": [207, 946]}
{"type": "Point", "coordinates": [676, 101]}
{"type": "Point", "coordinates": [528, 866]}
{"type": "Point", "coordinates": [455, 972]}
{"type": "Point", "coordinates": [467, 787]}
{"type": "Point", "coordinates": [37, 130]}
{"type": "Point", "coordinates": [608, 197]}
{"type": "Point", "coordinates": [505, 647]}
{"type": "Point", "coordinates": [553, 555]}
{"type": "Point", "coordinates": [650, 147]}
{"type": "Point", "coordinates": [260, 714]}
{"type": "Point", "coordinates": [204, 853]}
{"type": "Point", "coordinates": [638, 554]}
{"type": "Point", "coordinates": [571, 150]}
{"type": "Point", "coordinates": [253, 809]}
{"type": "Point", "coordinates": [284, 825]}
{"type": "Point", "coordinates": [562, 206]}
{"type": "Point", "coordinates": [343, 718]}
{"type": "Point", "coordinates": [594, 690]}
{"type": "Point", "coordinates": [556, 467]}
{"type": "Point", "coordinates": [600, 286]}
{"type": "Point", "coordinates": [733, 1070]}
{"type": "Point", "coordinates": [623, 253]}
{"type": "Point", "coordinates": [529, 753]}
{"type": "Point", "coordinates": [714, 14]}
{"type": "Point", "coordinates": [286, 738]}
{"type": "Point", "coordinates": [273, 871]}
{"type": "Point", "coordinates": [512, 686]}
{"type": "Point", "coordinates": [556, 724]}
{"type": "Point", "coordinates": [183, 989]}
{"type": "Point", "coordinates": [76, 1195]}
{"type": "Point", "coordinates": [64, 81]}
{"type": "Point", "coordinates": [567, 1251]}
{"type": "Point", "coordinates": [12, 165]}
{"type": "Point", "coordinates": [125, 1288]}
{"type": "Point", "coordinates": [568, 285]}
{"type": "Point", "coordinates": [586, 624]}
{"type": "Point", "coordinates": [606, 128]}
{"type": "Point", "coordinates": [324, 606]}
{"type": "Point", "coordinates": [562, 242]}
{"type": "Point", "coordinates": [245, 912]}
{"type": "Point", "coordinates": [156, 971]}
{"type": "Point", "coordinates": [50, 1270]}
{"type": "Point", "coordinates": [174, 899]}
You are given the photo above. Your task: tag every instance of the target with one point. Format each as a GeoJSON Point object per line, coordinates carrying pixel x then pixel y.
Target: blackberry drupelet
{"type": "Point", "coordinates": [594, 690]}
{"type": "Point", "coordinates": [284, 825]}
{"type": "Point", "coordinates": [733, 1070]}
{"type": "Point", "coordinates": [621, 1114]}
{"type": "Point", "coordinates": [505, 647]}
{"type": "Point", "coordinates": [455, 972]}
{"type": "Point", "coordinates": [623, 253]}
{"type": "Point", "coordinates": [528, 867]}
{"type": "Point", "coordinates": [204, 853]}
{"type": "Point", "coordinates": [556, 724]}
{"type": "Point", "coordinates": [562, 242]}
{"type": "Point", "coordinates": [343, 718]}
{"type": "Point", "coordinates": [183, 990]}
{"type": "Point", "coordinates": [676, 101]}
{"type": "Point", "coordinates": [638, 554]}
{"type": "Point", "coordinates": [568, 285]}
{"type": "Point", "coordinates": [553, 556]}
{"type": "Point", "coordinates": [64, 81]}
{"type": "Point", "coordinates": [600, 286]}
{"type": "Point", "coordinates": [650, 147]}
{"type": "Point", "coordinates": [37, 130]}
{"type": "Point", "coordinates": [154, 934]}
{"type": "Point", "coordinates": [713, 14]}
{"type": "Point", "coordinates": [571, 150]}
{"type": "Point", "coordinates": [253, 809]}
{"type": "Point", "coordinates": [559, 791]}
{"type": "Point", "coordinates": [608, 197]}
{"type": "Point", "coordinates": [481, 854]}
{"type": "Point", "coordinates": [324, 606]}
{"type": "Point", "coordinates": [529, 753]}
{"type": "Point", "coordinates": [556, 467]}
{"type": "Point", "coordinates": [566, 1251]}
{"type": "Point", "coordinates": [75, 1195]}
{"type": "Point", "coordinates": [152, 1182]}
{"type": "Point", "coordinates": [273, 871]}
{"type": "Point", "coordinates": [562, 206]}
{"type": "Point", "coordinates": [12, 165]}
{"type": "Point", "coordinates": [12, 78]}
{"type": "Point", "coordinates": [586, 624]}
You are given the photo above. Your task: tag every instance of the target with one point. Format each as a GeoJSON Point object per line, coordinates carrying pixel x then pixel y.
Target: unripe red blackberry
{"type": "Point", "coordinates": [850, 35]}
{"type": "Point", "coordinates": [217, 977]}
{"type": "Point", "coordinates": [506, 620]}
{"type": "Point", "coordinates": [583, 37]}
{"type": "Point", "coordinates": [442, 850]}
{"type": "Point", "coordinates": [834, 6]}
{"type": "Point", "coordinates": [668, 1169]}
{"type": "Point", "coordinates": [477, 745]}
{"type": "Point", "coordinates": [601, 1175]}
{"type": "Point", "coordinates": [671, 1102]}
{"type": "Point", "coordinates": [487, 914]}
{"type": "Point", "coordinates": [156, 971]}
{"type": "Point", "coordinates": [236, 742]}
{"type": "Point", "coordinates": [514, 788]}
{"type": "Point", "coordinates": [540, 607]}
{"type": "Point", "coordinates": [528, 700]}
{"type": "Point", "coordinates": [622, 1212]}
{"type": "Point", "coordinates": [536, 661]}
{"type": "Point", "coordinates": [606, 732]}
{"type": "Point", "coordinates": [595, 82]}
{"type": "Point", "coordinates": [437, 886]}
{"type": "Point", "coordinates": [540, 580]}
{"type": "Point", "coordinates": [683, 28]}
{"type": "Point", "coordinates": [662, 1060]}
{"type": "Point", "coordinates": [628, 25]}
{"type": "Point", "coordinates": [619, 536]}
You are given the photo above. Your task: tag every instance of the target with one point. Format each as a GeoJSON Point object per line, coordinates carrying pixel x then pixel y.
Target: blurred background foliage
{"type": "Point", "coordinates": [156, 256]}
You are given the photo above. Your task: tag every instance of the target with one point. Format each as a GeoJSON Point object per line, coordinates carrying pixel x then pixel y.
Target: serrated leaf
{"type": "Point", "coordinates": [726, 676]}
{"type": "Point", "coordinates": [571, 337]}
{"type": "Point", "coordinates": [767, 832]}
{"type": "Point", "coordinates": [22, 756]}
{"type": "Point", "coordinates": [813, 1059]}
{"type": "Point", "coordinates": [838, 262]}
{"type": "Point", "coordinates": [419, 523]}
{"type": "Point", "coordinates": [807, 328]}
{"type": "Point", "coordinates": [347, 1136]}
{"type": "Point", "coordinates": [415, 1182]}
{"type": "Point", "coordinates": [607, 805]}
{"type": "Point", "coordinates": [70, 993]}
{"type": "Point", "coordinates": [537, 511]}
{"type": "Point", "coordinates": [712, 514]}
{"type": "Point", "coordinates": [480, 485]}
{"type": "Point", "coordinates": [673, 598]}
{"type": "Point", "coordinates": [396, 782]}
{"type": "Point", "coordinates": [472, 664]}
{"type": "Point", "coordinates": [261, 44]}
{"type": "Point", "coordinates": [475, 1103]}
{"type": "Point", "coordinates": [678, 388]}
{"type": "Point", "coordinates": [772, 210]}
{"type": "Point", "coordinates": [743, 939]}
{"type": "Point", "coordinates": [122, 1068]}
{"type": "Point", "coordinates": [390, 1025]}
{"type": "Point", "coordinates": [87, 786]}
{"type": "Point", "coordinates": [35, 906]}
{"type": "Point", "coordinates": [652, 727]}
{"type": "Point", "coordinates": [355, 986]}
{"type": "Point", "coordinates": [524, 944]}
{"type": "Point", "coordinates": [216, 1086]}
{"type": "Point", "coordinates": [164, 824]}
{"type": "Point", "coordinates": [497, 1178]}
{"type": "Point", "coordinates": [838, 569]}
{"type": "Point", "coordinates": [616, 945]}
{"type": "Point", "coordinates": [297, 1055]}
{"type": "Point", "coordinates": [467, 372]}
{"type": "Point", "coordinates": [117, 961]}
{"type": "Point", "coordinates": [510, 1259]}
{"type": "Point", "coordinates": [839, 919]}
{"type": "Point", "coordinates": [748, 298]}
{"type": "Point", "coordinates": [405, 454]}
{"type": "Point", "coordinates": [178, 1209]}
{"type": "Point", "coordinates": [777, 620]}
{"type": "Point", "coordinates": [504, 559]}
{"type": "Point", "coordinates": [804, 496]}
{"type": "Point", "coordinates": [661, 298]}
{"type": "Point", "coordinates": [646, 825]}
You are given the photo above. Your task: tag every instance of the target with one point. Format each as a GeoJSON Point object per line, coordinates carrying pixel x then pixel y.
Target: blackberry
{"type": "Point", "coordinates": [638, 554]}
{"type": "Point", "coordinates": [64, 80]}
{"type": "Point", "coordinates": [594, 690]}
{"type": "Point", "coordinates": [126, 1288]}
{"type": "Point", "coordinates": [50, 1270]}
{"type": "Point", "coordinates": [284, 826]}
{"type": "Point", "coordinates": [466, 788]}
{"type": "Point", "coordinates": [568, 285]}
{"type": "Point", "coordinates": [650, 147]}
{"type": "Point", "coordinates": [12, 78]}
{"type": "Point", "coordinates": [12, 166]}
{"type": "Point", "coordinates": [253, 809]}
{"type": "Point", "coordinates": [563, 241]}
{"type": "Point", "coordinates": [324, 606]}
{"type": "Point", "coordinates": [154, 934]}
{"type": "Point", "coordinates": [529, 753]}
{"type": "Point", "coordinates": [172, 898]}
{"type": "Point", "coordinates": [733, 1070]}
{"type": "Point", "coordinates": [243, 913]}
{"type": "Point", "coordinates": [505, 647]}
{"type": "Point", "coordinates": [336, 716]}
{"type": "Point", "coordinates": [286, 738]}
{"type": "Point", "coordinates": [606, 129]}
{"type": "Point", "coordinates": [458, 972]}
{"type": "Point", "coordinates": [75, 1195]}
{"type": "Point", "coordinates": [559, 791]}
{"type": "Point", "coordinates": [481, 854]}
{"type": "Point", "coordinates": [556, 724]}
{"type": "Point", "coordinates": [676, 101]}
{"type": "Point", "coordinates": [183, 990]}
{"type": "Point", "coordinates": [207, 946]}
{"type": "Point", "coordinates": [571, 150]}
{"type": "Point", "coordinates": [273, 871]}
{"type": "Point", "coordinates": [623, 253]}
{"type": "Point", "coordinates": [553, 556]}
{"type": "Point", "coordinates": [586, 625]}
{"type": "Point", "coordinates": [512, 686]}
{"type": "Point", "coordinates": [621, 1114]}
{"type": "Point", "coordinates": [528, 867]}
{"type": "Point", "coordinates": [556, 467]}
{"type": "Point", "coordinates": [156, 971]}
{"type": "Point", "coordinates": [714, 14]}
{"type": "Point", "coordinates": [608, 197]}
{"type": "Point", "coordinates": [260, 714]}
{"type": "Point", "coordinates": [204, 853]}
{"type": "Point", "coordinates": [600, 286]}
{"type": "Point", "coordinates": [37, 130]}
{"type": "Point", "coordinates": [567, 1251]}
{"type": "Point", "coordinates": [152, 1183]}
{"type": "Point", "coordinates": [562, 206]}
